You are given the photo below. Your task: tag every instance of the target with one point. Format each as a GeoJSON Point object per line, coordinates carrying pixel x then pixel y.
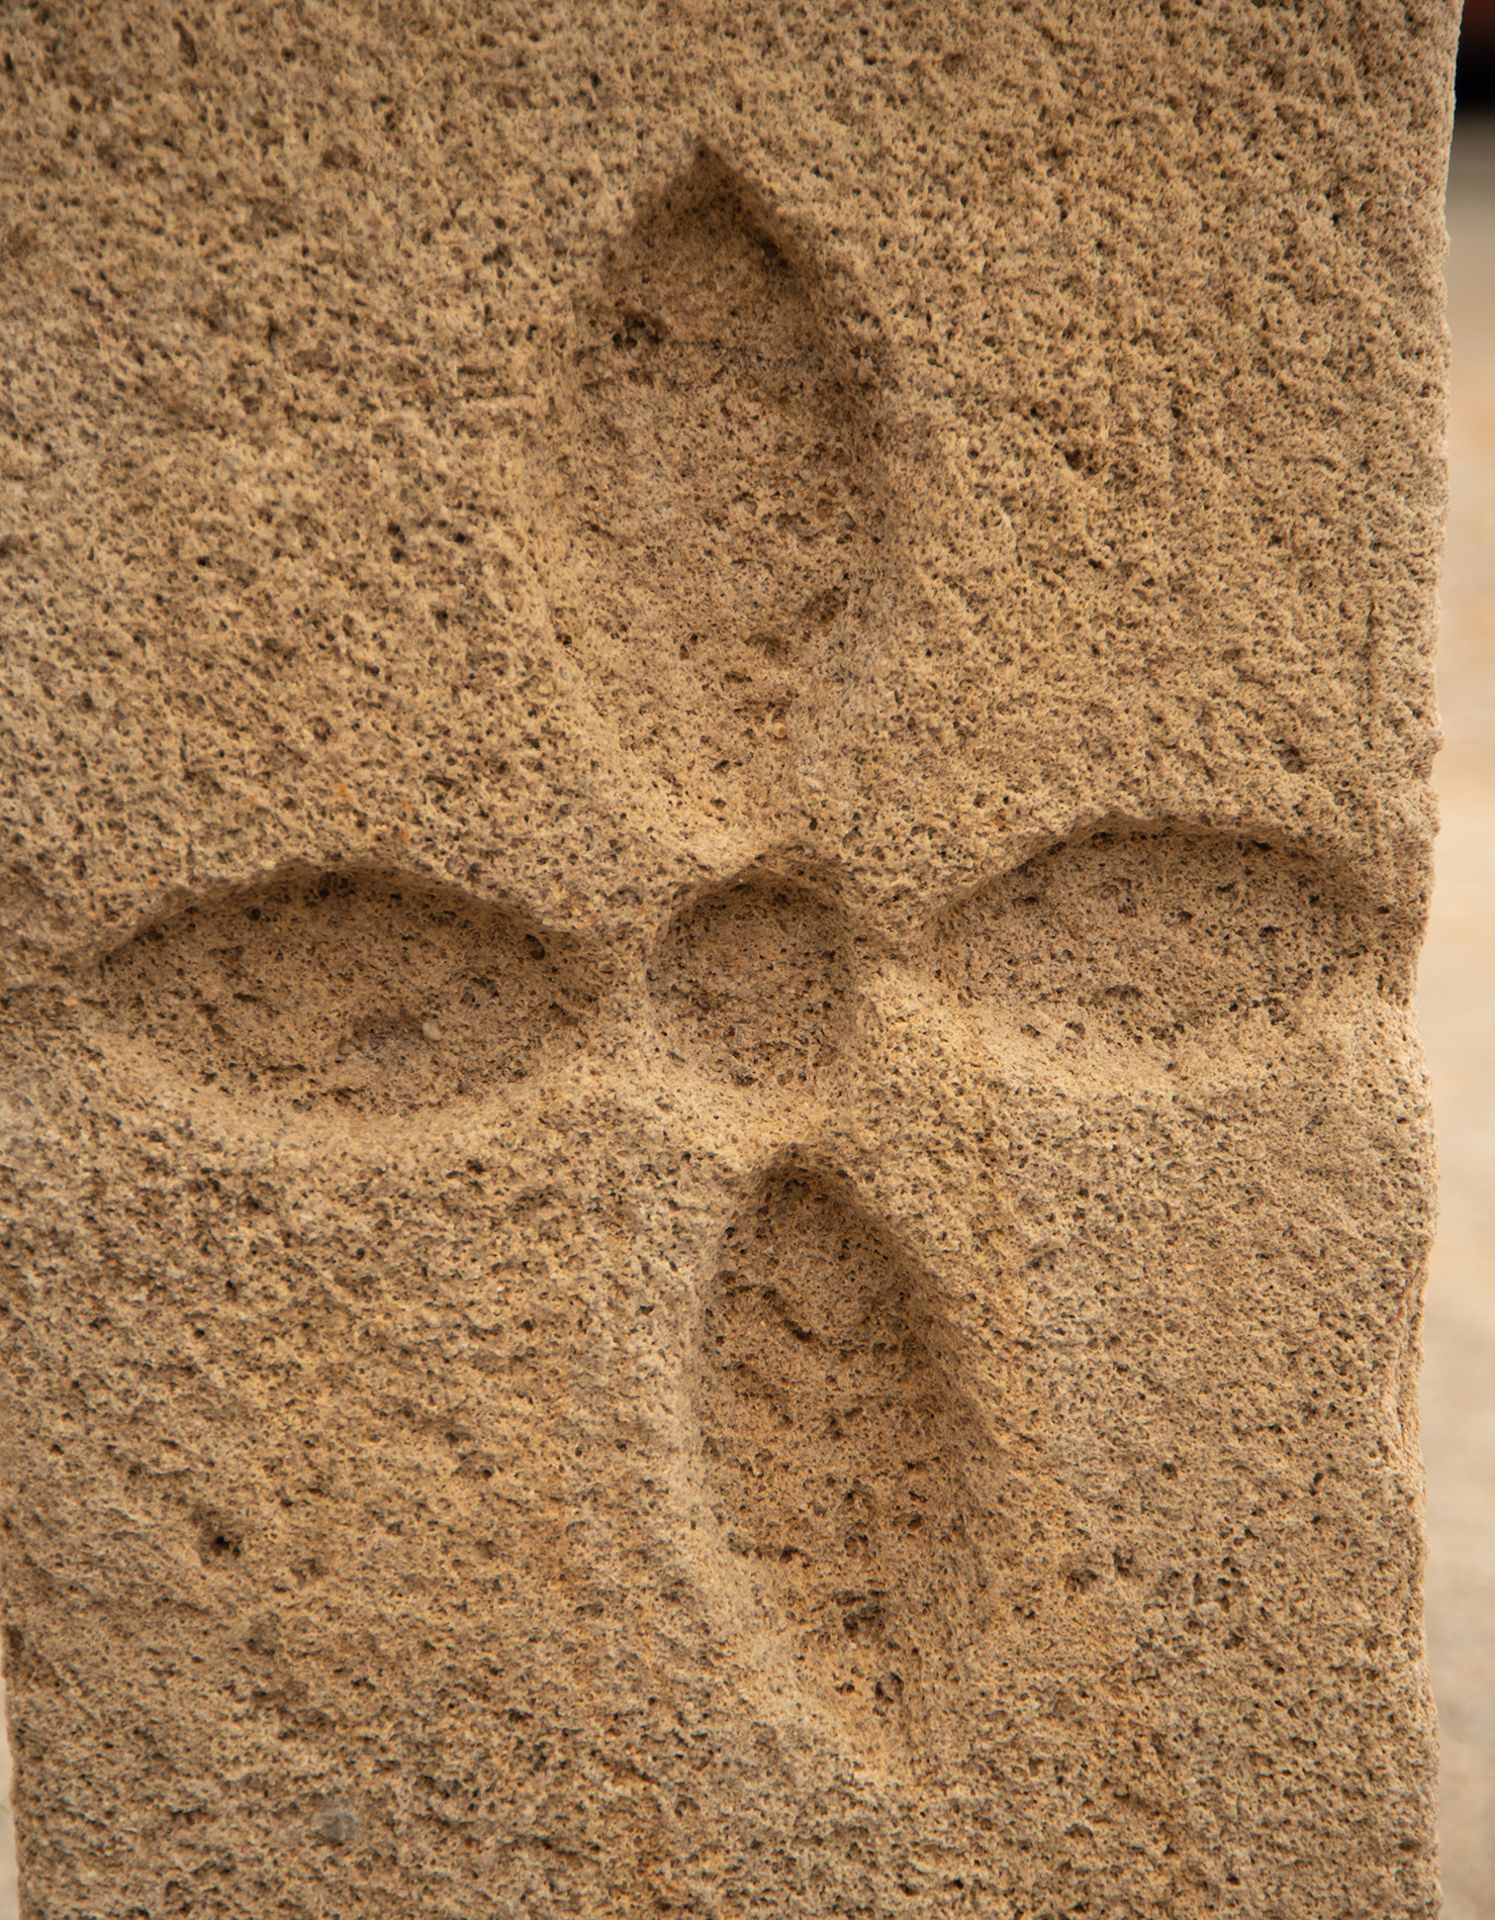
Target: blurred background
{"type": "Point", "coordinates": [1458, 1022]}
{"type": "Point", "coordinates": [1458, 1025]}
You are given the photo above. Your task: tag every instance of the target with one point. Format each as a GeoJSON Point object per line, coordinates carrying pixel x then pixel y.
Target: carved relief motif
{"type": "Point", "coordinates": [874, 1509]}
{"type": "Point", "coordinates": [726, 484]}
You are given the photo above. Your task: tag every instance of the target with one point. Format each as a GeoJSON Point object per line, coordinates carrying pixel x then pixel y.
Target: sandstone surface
{"type": "Point", "coordinates": [716, 815]}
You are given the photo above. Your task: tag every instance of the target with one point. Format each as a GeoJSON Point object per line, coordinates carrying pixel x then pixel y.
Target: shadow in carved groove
{"type": "Point", "coordinates": [374, 992]}
{"type": "Point", "coordinates": [843, 1461]}
{"type": "Point", "coordinates": [725, 486]}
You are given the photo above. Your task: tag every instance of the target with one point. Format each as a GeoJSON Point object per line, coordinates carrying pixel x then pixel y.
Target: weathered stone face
{"type": "Point", "coordinates": [717, 829]}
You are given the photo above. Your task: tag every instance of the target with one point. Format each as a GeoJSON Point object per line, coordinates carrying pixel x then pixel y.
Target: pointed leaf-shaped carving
{"type": "Point", "coordinates": [1136, 940]}
{"type": "Point", "coordinates": [724, 480]}
{"type": "Point", "coordinates": [368, 991]}
{"type": "Point", "coordinates": [843, 1459]}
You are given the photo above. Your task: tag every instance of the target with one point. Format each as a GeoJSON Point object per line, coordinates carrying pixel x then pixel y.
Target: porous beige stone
{"type": "Point", "coordinates": [716, 820]}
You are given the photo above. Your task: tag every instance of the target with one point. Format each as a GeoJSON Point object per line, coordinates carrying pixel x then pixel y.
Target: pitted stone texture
{"type": "Point", "coordinates": [716, 1178]}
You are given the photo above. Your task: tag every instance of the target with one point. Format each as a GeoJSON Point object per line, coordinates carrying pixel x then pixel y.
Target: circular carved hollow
{"type": "Point", "coordinates": [756, 975]}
